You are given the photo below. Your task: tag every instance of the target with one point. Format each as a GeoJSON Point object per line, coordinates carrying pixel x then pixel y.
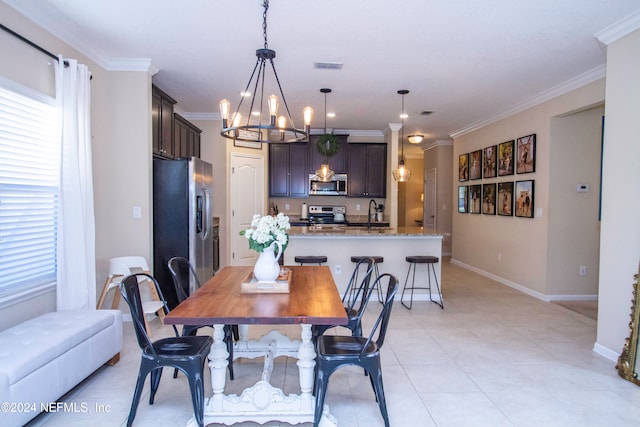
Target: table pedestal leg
{"type": "Point", "coordinates": [263, 402]}
{"type": "Point", "coordinates": [218, 364]}
{"type": "Point", "coordinates": [306, 363]}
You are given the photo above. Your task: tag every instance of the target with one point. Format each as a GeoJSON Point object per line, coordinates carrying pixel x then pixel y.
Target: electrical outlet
{"type": "Point", "coordinates": [357, 207]}
{"type": "Point", "coordinates": [137, 212]}
{"type": "Point", "coordinates": [499, 256]}
{"type": "Point", "coordinates": [337, 269]}
{"type": "Point", "coordinates": [583, 270]}
{"type": "Point", "coordinates": [286, 206]}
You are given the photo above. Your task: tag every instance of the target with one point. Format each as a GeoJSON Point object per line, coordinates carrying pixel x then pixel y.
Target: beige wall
{"type": "Point", "coordinates": [122, 167]}
{"type": "Point", "coordinates": [411, 206]}
{"type": "Point", "coordinates": [121, 141]}
{"type": "Point", "coordinates": [440, 157]}
{"type": "Point", "coordinates": [620, 241]}
{"type": "Point", "coordinates": [510, 249]}
{"type": "Point", "coordinates": [574, 226]}
{"type": "Point", "coordinates": [28, 66]}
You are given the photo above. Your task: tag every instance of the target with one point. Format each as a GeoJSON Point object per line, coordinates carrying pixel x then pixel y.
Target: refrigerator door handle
{"type": "Point", "coordinates": [207, 216]}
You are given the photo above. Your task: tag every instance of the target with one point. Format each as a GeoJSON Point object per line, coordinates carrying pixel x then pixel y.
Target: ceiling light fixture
{"type": "Point", "coordinates": [325, 173]}
{"type": "Point", "coordinates": [415, 139]}
{"type": "Point", "coordinates": [402, 174]}
{"type": "Point", "coordinates": [261, 131]}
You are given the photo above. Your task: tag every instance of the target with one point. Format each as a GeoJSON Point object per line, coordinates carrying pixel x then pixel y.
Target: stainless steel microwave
{"type": "Point", "coordinates": [336, 187]}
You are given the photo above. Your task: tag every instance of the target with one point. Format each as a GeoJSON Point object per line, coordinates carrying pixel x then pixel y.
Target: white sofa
{"type": "Point", "coordinates": [43, 358]}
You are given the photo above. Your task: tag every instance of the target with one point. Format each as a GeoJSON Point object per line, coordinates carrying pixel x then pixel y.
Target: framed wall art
{"type": "Point", "coordinates": [489, 199]}
{"type": "Point", "coordinates": [505, 158]}
{"type": "Point", "coordinates": [475, 162]}
{"type": "Point", "coordinates": [463, 201]}
{"type": "Point", "coordinates": [489, 162]}
{"type": "Point", "coordinates": [504, 200]}
{"type": "Point", "coordinates": [524, 198]}
{"type": "Point", "coordinates": [526, 154]}
{"type": "Point", "coordinates": [463, 167]}
{"type": "Point", "coordinates": [475, 198]}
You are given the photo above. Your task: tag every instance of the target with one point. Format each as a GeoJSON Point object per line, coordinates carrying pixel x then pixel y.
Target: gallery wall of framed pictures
{"type": "Point", "coordinates": [504, 197]}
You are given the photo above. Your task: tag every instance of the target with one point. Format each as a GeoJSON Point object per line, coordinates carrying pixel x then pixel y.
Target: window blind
{"type": "Point", "coordinates": [29, 177]}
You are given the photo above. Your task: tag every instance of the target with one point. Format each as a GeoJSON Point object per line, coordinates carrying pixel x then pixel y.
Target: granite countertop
{"type": "Point", "coordinates": [348, 231]}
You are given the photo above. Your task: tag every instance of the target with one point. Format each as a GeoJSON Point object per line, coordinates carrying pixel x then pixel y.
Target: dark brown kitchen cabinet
{"type": "Point", "coordinates": [367, 171]}
{"type": "Point", "coordinates": [186, 138]}
{"type": "Point", "coordinates": [288, 170]}
{"type": "Point", "coordinates": [338, 162]}
{"type": "Point", "coordinates": [162, 123]}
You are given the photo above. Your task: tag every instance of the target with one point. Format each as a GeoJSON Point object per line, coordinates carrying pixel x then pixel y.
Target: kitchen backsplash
{"type": "Point", "coordinates": [353, 214]}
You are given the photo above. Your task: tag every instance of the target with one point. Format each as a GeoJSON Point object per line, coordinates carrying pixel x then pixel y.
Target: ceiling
{"type": "Point", "coordinates": [467, 61]}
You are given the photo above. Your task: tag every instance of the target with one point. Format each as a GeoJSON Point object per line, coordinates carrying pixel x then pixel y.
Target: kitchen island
{"type": "Point", "coordinates": [339, 243]}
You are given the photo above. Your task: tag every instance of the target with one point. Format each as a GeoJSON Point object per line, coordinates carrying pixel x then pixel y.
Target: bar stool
{"type": "Point", "coordinates": [377, 260]}
{"type": "Point", "coordinates": [413, 261]}
{"type": "Point", "coordinates": [310, 259]}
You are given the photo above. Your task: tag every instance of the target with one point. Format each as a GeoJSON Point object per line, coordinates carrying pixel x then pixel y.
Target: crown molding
{"type": "Point", "coordinates": [59, 26]}
{"type": "Point", "coordinates": [619, 29]}
{"type": "Point", "coordinates": [56, 24]}
{"type": "Point", "coordinates": [393, 127]}
{"type": "Point", "coordinates": [131, 64]}
{"type": "Point", "coordinates": [202, 116]}
{"type": "Point", "coordinates": [580, 80]}
{"type": "Point", "coordinates": [437, 143]}
{"type": "Point", "coordinates": [360, 133]}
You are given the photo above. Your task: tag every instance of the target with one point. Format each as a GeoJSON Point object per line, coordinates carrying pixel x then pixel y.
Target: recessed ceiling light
{"type": "Point", "coordinates": [404, 115]}
{"type": "Point", "coordinates": [331, 115]}
{"type": "Point", "coordinates": [245, 94]}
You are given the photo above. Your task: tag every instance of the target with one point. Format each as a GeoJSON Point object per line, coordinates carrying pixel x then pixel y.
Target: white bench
{"type": "Point", "coordinates": [43, 358]}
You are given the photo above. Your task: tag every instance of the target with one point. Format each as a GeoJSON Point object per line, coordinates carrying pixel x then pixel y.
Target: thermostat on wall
{"type": "Point", "coordinates": [583, 188]}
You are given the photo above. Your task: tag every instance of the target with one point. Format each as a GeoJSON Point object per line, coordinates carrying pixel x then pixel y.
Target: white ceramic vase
{"type": "Point", "coordinates": [267, 268]}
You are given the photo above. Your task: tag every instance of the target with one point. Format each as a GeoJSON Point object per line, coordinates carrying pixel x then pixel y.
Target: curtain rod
{"type": "Point", "coordinates": [32, 44]}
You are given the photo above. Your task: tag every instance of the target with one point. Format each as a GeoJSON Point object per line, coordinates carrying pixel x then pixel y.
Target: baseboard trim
{"type": "Point", "coordinates": [502, 280]}
{"type": "Point", "coordinates": [605, 352]}
{"type": "Point", "coordinates": [524, 289]}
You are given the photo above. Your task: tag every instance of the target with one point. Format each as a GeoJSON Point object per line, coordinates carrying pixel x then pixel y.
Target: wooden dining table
{"type": "Point", "coordinates": [312, 298]}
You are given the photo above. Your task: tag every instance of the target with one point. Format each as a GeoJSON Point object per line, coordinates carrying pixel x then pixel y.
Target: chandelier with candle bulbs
{"type": "Point", "coordinates": [245, 128]}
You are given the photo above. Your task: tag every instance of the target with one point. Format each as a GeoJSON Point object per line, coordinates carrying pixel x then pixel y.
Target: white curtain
{"type": "Point", "coordinates": [76, 281]}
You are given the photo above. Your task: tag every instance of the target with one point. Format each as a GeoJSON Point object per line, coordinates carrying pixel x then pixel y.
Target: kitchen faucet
{"type": "Point", "coordinates": [375, 206]}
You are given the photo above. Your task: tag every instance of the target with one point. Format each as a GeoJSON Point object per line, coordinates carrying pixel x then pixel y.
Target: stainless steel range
{"type": "Point", "coordinates": [319, 214]}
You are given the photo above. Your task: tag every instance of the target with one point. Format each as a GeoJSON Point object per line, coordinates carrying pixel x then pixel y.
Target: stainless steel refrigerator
{"type": "Point", "coordinates": [182, 219]}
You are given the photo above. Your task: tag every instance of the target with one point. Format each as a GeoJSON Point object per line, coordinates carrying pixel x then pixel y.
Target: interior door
{"type": "Point", "coordinates": [430, 191]}
{"type": "Point", "coordinates": [247, 198]}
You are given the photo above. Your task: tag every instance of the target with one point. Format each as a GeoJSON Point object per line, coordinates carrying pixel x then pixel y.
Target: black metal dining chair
{"type": "Point", "coordinates": [354, 299]}
{"type": "Point", "coordinates": [186, 353]}
{"type": "Point", "coordinates": [183, 276]}
{"type": "Point", "coordinates": [337, 351]}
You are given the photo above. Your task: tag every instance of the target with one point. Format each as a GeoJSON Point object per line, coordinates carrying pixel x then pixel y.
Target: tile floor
{"type": "Point", "coordinates": [493, 357]}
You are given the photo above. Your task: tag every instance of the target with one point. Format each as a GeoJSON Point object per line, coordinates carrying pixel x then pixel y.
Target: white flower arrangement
{"type": "Point", "coordinates": [266, 230]}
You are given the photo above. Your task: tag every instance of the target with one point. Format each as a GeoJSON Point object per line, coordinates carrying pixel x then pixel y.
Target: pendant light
{"type": "Point", "coordinates": [325, 173]}
{"type": "Point", "coordinates": [402, 174]}
{"type": "Point", "coordinates": [240, 130]}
